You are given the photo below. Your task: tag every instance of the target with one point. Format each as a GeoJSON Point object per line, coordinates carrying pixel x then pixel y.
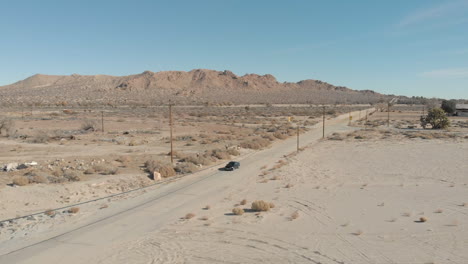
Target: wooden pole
{"type": "Point", "coordinates": [388, 115]}
{"type": "Point", "coordinates": [297, 148]}
{"type": "Point", "coordinates": [102, 121]}
{"type": "Point", "coordinates": [323, 124]}
{"type": "Point", "coordinates": [170, 124]}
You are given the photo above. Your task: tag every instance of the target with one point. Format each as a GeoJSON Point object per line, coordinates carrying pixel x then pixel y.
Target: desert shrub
{"type": "Point", "coordinates": [72, 176]}
{"type": "Point", "coordinates": [40, 137]}
{"type": "Point", "coordinates": [279, 135]}
{"type": "Point", "coordinates": [189, 216]}
{"type": "Point", "coordinates": [260, 206]}
{"type": "Point", "coordinates": [295, 215]}
{"type": "Point", "coordinates": [243, 202]}
{"type": "Point", "coordinates": [104, 169]}
{"type": "Point", "coordinates": [7, 127]}
{"type": "Point", "coordinates": [220, 154]}
{"type": "Point", "coordinates": [200, 159]}
{"type": "Point", "coordinates": [50, 212]}
{"type": "Point", "coordinates": [449, 106]}
{"type": "Point", "coordinates": [272, 205]}
{"type": "Point", "coordinates": [164, 170]}
{"type": "Point", "coordinates": [269, 137]}
{"type": "Point", "coordinates": [20, 181]}
{"type": "Point", "coordinates": [89, 125]}
{"type": "Point", "coordinates": [233, 152]}
{"type": "Point", "coordinates": [125, 160]}
{"type": "Point", "coordinates": [238, 211]}
{"type": "Point", "coordinates": [73, 210]}
{"type": "Point", "coordinates": [89, 171]}
{"type": "Point", "coordinates": [255, 144]}
{"type": "Point", "coordinates": [186, 167]}
{"type": "Point", "coordinates": [436, 118]}
{"type": "Point", "coordinates": [39, 178]}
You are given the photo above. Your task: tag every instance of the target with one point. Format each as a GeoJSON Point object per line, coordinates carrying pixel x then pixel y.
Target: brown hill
{"type": "Point", "coordinates": [193, 87]}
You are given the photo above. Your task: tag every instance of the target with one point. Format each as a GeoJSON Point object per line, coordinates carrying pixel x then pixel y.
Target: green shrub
{"type": "Point", "coordinates": [437, 118]}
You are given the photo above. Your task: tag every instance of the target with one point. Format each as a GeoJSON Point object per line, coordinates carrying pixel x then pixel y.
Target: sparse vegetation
{"type": "Point", "coordinates": [20, 181]}
{"type": "Point", "coordinates": [238, 211]}
{"type": "Point", "coordinates": [164, 170]}
{"type": "Point", "coordinates": [189, 216]}
{"type": "Point", "coordinates": [73, 210]}
{"type": "Point", "coordinates": [437, 118]}
{"type": "Point", "coordinates": [295, 215]}
{"type": "Point", "coordinates": [260, 206]}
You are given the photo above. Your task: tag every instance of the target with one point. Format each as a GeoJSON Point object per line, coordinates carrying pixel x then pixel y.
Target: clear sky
{"type": "Point", "coordinates": [407, 47]}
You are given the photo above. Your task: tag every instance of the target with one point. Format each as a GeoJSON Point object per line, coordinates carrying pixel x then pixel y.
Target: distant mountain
{"type": "Point", "coordinates": [194, 87]}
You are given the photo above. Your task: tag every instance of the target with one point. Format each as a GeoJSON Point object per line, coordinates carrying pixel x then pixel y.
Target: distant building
{"type": "Point", "coordinates": [461, 110]}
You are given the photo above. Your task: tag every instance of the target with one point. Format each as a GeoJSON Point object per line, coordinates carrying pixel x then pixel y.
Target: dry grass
{"type": "Point", "coordinates": [238, 211]}
{"type": "Point", "coordinates": [164, 170]}
{"type": "Point", "coordinates": [358, 233]}
{"type": "Point", "coordinates": [207, 207]}
{"type": "Point", "coordinates": [438, 211]}
{"type": "Point", "coordinates": [73, 210]}
{"type": "Point", "coordinates": [106, 169]}
{"type": "Point", "coordinates": [295, 215]}
{"type": "Point", "coordinates": [50, 212]}
{"type": "Point", "coordinates": [20, 181]}
{"type": "Point", "coordinates": [260, 206]}
{"type": "Point", "coordinates": [204, 218]}
{"type": "Point", "coordinates": [103, 206]}
{"type": "Point", "coordinates": [243, 202]}
{"type": "Point", "coordinates": [407, 214]}
{"type": "Point", "coordinates": [189, 216]}
{"type": "Point", "coordinates": [72, 176]}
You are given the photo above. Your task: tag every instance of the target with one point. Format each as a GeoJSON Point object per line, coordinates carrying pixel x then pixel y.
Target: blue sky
{"type": "Point", "coordinates": [417, 47]}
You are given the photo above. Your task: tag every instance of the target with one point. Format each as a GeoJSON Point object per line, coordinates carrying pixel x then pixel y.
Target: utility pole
{"type": "Point", "coordinates": [102, 121]}
{"type": "Point", "coordinates": [297, 148]}
{"type": "Point", "coordinates": [388, 115]}
{"type": "Point", "coordinates": [424, 108]}
{"type": "Point", "coordinates": [323, 124]}
{"type": "Point", "coordinates": [170, 124]}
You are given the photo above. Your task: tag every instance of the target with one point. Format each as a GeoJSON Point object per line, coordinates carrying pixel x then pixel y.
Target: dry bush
{"type": "Point", "coordinates": [73, 210]}
{"type": "Point", "coordinates": [358, 233]}
{"type": "Point", "coordinates": [164, 170]}
{"type": "Point", "coordinates": [189, 216]}
{"type": "Point", "coordinates": [186, 167]}
{"type": "Point", "coordinates": [40, 137]}
{"type": "Point", "coordinates": [220, 154]}
{"type": "Point", "coordinates": [7, 127]}
{"type": "Point", "coordinates": [243, 202]}
{"type": "Point", "coordinates": [125, 160]}
{"type": "Point", "coordinates": [89, 171]}
{"type": "Point", "coordinates": [72, 176]}
{"type": "Point", "coordinates": [233, 152]}
{"type": "Point", "coordinates": [49, 212]}
{"type": "Point", "coordinates": [438, 211]}
{"type": "Point", "coordinates": [272, 205]}
{"type": "Point", "coordinates": [197, 160]}
{"type": "Point", "coordinates": [289, 185]}
{"type": "Point", "coordinates": [89, 125]}
{"type": "Point", "coordinates": [20, 181]}
{"type": "Point", "coordinates": [422, 219]}
{"type": "Point", "coordinates": [238, 211]}
{"type": "Point", "coordinates": [207, 207]}
{"type": "Point", "coordinates": [255, 144]}
{"type": "Point", "coordinates": [279, 135]}
{"type": "Point", "coordinates": [103, 206]}
{"type": "Point", "coordinates": [204, 218]}
{"type": "Point", "coordinates": [39, 178]}
{"type": "Point", "coordinates": [260, 206]}
{"type": "Point", "coordinates": [295, 215]}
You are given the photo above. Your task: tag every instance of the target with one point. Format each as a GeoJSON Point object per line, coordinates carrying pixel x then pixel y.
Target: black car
{"type": "Point", "coordinates": [232, 165]}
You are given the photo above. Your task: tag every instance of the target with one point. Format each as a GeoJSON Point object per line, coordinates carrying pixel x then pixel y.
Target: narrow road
{"type": "Point", "coordinates": [84, 242]}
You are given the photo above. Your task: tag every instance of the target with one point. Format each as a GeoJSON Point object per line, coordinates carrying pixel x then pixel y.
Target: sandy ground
{"type": "Point", "coordinates": [358, 202]}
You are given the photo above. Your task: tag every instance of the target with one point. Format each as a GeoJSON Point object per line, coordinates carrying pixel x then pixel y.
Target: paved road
{"type": "Point", "coordinates": [86, 241]}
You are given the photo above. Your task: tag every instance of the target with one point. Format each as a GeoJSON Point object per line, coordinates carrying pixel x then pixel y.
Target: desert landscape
{"type": "Point", "coordinates": [97, 185]}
